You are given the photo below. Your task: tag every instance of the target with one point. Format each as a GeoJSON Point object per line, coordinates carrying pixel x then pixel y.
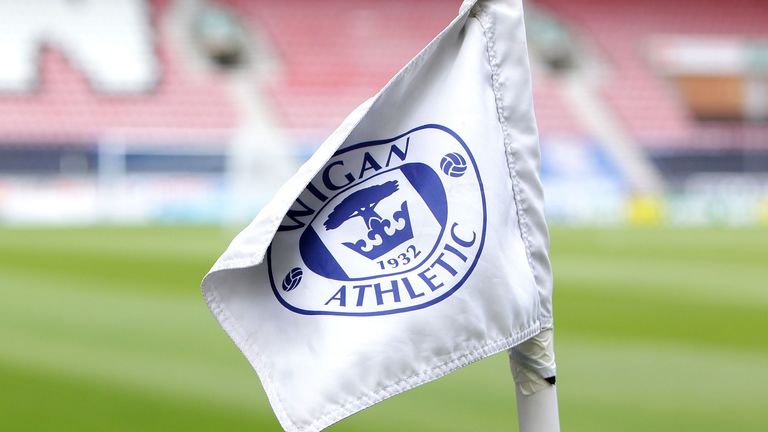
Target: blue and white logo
{"type": "Point", "coordinates": [387, 226]}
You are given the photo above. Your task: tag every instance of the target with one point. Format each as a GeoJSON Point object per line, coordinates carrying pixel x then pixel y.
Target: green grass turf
{"type": "Point", "coordinates": [657, 330]}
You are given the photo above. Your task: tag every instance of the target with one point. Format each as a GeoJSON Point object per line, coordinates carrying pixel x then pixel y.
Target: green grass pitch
{"type": "Point", "coordinates": [104, 329]}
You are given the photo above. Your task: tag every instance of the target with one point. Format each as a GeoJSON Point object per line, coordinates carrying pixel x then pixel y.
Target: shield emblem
{"type": "Point", "coordinates": [367, 230]}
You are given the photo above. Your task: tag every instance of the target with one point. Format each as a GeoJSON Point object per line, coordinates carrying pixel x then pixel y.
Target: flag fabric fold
{"type": "Point", "coordinates": [412, 242]}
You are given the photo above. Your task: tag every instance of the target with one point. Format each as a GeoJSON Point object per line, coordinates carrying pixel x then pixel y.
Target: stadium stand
{"type": "Point", "coordinates": [65, 106]}
{"type": "Point", "coordinates": [646, 103]}
{"type": "Point", "coordinates": [333, 56]}
{"type": "Point", "coordinates": [553, 116]}
{"type": "Point", "coordinates": [336, 54]}
{"type": "Point", "coordinates": [169, 85]}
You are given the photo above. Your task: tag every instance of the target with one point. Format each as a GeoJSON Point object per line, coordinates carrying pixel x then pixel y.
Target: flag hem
{"type": "Point", "coordinates": [526, 186]}
{"type": "Point", "coordinates": [439, 370]}
{"type": "Point", "coordinates": [486, 23]}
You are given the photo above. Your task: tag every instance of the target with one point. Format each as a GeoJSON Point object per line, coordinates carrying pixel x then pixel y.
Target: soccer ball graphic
{"type": "Point", "coordinates": [453, 164]}
{"type": "Point", "coordinates": [292, 279]}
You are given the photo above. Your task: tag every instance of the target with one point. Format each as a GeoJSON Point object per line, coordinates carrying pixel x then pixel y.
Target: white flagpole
{"type": "Point", "coordinates": [537, 412]}
{"type": "Point", "coordinates": [533, 368]}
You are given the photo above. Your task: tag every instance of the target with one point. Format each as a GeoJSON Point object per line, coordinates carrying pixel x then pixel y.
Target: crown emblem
{"type": "Point", "coordinates": [383, 234]}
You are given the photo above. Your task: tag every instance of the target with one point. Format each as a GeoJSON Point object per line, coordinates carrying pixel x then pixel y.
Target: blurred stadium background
{"type": "Point", "coordinates": [137, 136]}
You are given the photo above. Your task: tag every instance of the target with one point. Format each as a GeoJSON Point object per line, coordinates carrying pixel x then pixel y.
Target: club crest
{"type": "Point", "coordinates": [387, 226]}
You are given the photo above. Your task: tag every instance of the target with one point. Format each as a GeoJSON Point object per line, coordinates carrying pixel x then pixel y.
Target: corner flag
{"type": "Point", "coordinates": [411, 244]}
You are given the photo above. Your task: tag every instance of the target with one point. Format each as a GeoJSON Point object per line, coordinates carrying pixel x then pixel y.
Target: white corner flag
{"type": "Point", "coordinates": [412, 243]}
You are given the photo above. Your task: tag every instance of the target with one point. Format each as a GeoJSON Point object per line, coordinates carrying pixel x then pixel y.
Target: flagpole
{"type": "Point", "coordinates": [533, 368]}
{"type": "Point", "coordinates": [537, 412]}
